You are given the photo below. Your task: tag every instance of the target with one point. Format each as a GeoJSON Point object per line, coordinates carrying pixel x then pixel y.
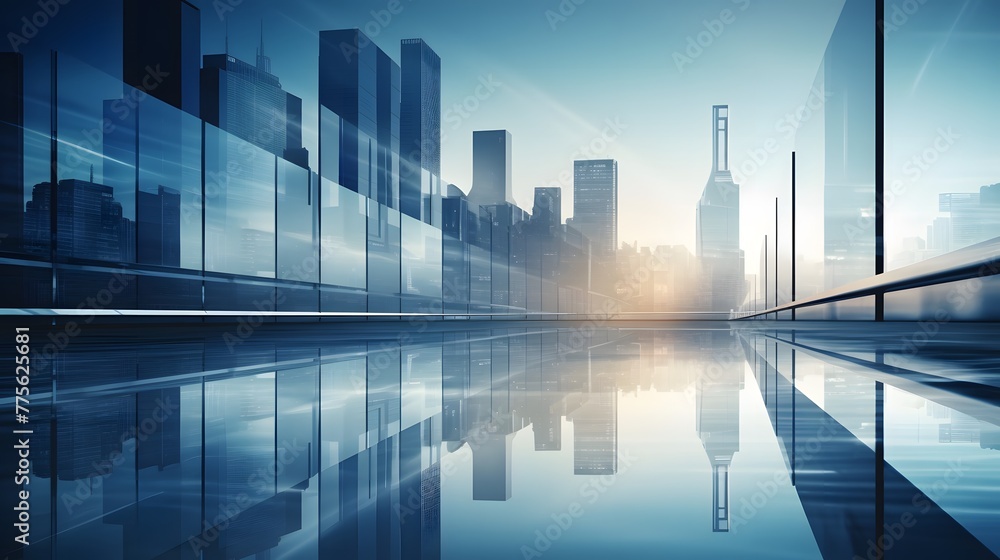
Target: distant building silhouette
{"type": "Point", "coordinates": [162, 50]}
{"type": "Point", "coordinates": [547, 211]}
{"type": "Point", "coordinates": [89, 224]}
{"type": "Point", "coordinates": [159, 217]}
{"type": "Point", "coordinates": [492, 168]}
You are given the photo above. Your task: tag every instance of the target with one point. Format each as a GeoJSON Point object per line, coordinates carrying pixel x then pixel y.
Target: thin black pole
{"type": "Point", "coordinates": [766, 265]}
{"type": "Point", "coordinates": [777, 252]}
{"type": "Point", "coordinates": [879, 154]}
{"type": "Point", "coordinates": [793, 234]}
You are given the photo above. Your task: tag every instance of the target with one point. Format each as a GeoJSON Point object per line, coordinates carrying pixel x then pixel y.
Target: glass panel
{"type": "Point", "coordinates": [383, 249]}
{"type": "Point", "coordinates": [96, 220]}
{"type": "Point", "coordinates": [421, 259]}
{"type": "Point", "coordinates": [239, 444]}
{"type": "Point", "coordinates": [298, 224]}
{"type": "Point", "coordinates": [342, 421]}
{"type": "Point", "coordinates": [420, 390]}
{"type": "Point", "coordinates": [942, 191]}
{"type": "Point", "coordinates": [343, 247]}
{"type": "Point", "coordinates": [239, 206]}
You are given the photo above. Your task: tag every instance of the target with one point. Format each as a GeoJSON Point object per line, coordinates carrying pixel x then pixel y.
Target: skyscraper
{"type": "Point", "coordinates": [718, 223]}
{"type": "Point", "coordinates": [162, 46]}
{"type": "Point", "coordinates": [90, 223]}
{"type": "Point", "coordinates": [491, 168]}
{"type": "Point", "coordinates": [159, 216]}
{"type": "Point", "coordinates": [247, 101]}
{"type": "Point", "coordinates": [358, 95]}
{"type": "Point", "coordinates": [595, 203]}
{"type": "Point", "coordinates": [848, 73]}
{"type": "Point", "coordinates": [547, 211]}
{"type": "Point", "coordinates": [11, 151]}
{"type": "Point", "coordinates": [387, 154]}
{"type": "Point", "coordinates": [420, 121]}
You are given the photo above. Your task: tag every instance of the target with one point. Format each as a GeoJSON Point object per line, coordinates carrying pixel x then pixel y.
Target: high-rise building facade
{"type": "Point", "coordinates": [247, 101]}
{"type": "Point", "coordinates": [89, 224]}
{"type": "Point", "coordinates": [492, 168]}
{"type": "Point", "coordinates": [419, 124]}
{"type": "Point", "coordinates": [718, 224]}
{"type": "Point", "coordinates": [359, 115]}
{"type": "Point", "coordinates": [162, 46]}
{"type": "Point", "coordinates": [595, 203]}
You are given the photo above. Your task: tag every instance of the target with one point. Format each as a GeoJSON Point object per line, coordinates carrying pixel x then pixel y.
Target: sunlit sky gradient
{"type": "Point", "coordinates": [562, 80]}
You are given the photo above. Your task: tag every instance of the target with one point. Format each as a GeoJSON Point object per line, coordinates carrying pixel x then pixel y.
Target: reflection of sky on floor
{"type": "Point", "coordinates": [520, 443]}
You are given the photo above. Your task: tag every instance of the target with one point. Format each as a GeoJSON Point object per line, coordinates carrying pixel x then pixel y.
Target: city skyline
{"type": "Point", "coordinates": [450, 280]}
{"type": "Point", "coordinates": [768, 119]}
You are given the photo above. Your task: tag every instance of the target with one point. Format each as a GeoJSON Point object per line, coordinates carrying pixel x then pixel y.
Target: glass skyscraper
{"type": "Point", "coordinates": [247, 101]}
{"type": "Point", "coordinates": [718, 224]}
{"type": "Point", "coordinates": [849, 114]}
{"type": "Point", "coordinates": [595, 203]}
{"type": "Point", "coordinates": [419, 125]}
{"type": "Point", "coordinates": [492, 168]}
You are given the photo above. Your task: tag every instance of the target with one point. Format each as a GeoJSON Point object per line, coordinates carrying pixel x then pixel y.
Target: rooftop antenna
{"type": "Point", "coordinates": [263, 62]}
{"type": "Point", "coordinates": [92, 173]}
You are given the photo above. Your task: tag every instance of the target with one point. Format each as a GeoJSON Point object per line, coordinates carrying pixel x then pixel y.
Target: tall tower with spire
{"type": "Point", "coordinates": [718, 225]}
{"type": "Point", "coordinates": [247, 101]}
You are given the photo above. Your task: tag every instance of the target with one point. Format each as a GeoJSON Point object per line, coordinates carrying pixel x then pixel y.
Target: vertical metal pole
{"type": "Point", "coordinates": [793, 234]}
{"type": "Point", "coordinates": [777, 253]}
{"type": "Point", "coordinates": [879, 154]}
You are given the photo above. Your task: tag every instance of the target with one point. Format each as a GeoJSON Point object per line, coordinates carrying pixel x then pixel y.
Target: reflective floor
{"type": "Point", "coordinates": [338, 441]}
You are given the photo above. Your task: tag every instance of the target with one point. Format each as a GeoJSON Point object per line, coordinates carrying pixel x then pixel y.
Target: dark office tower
{"type": "Point", "coordinates": [294, 152]}
{"type": "Point", "coordinates": [162, 50]}
{"type": "Point", "coordinates": [849, 113]}
{"type": "Point", "coordinates": [595, 203]}
{"type": "Point", "coordinates": [11, 151]}
{"type": "Point", "coordinates": [420, 122]}
{"type": "Point", "coordinates": [247, 101]}
{"type": "Point", "coordinates": [388, 165]}
{"type": "Point", "coordinates": [491, 168]}
{"type": "Point", "coordinates": [718, 223]}
{"type": "Point", "coordinates": [90, 223]}
{"type": "Point", "coordinates": [159, 216]}
{"type": "Point", "coordinates": [547, 211]}
{"type": "Point", "coordinates": [595, 429]}
{"type": "Point", "coordinates": [349, 92]}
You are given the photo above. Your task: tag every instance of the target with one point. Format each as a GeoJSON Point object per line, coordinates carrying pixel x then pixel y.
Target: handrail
{"type": "Point", "coordinates": [976, 261]}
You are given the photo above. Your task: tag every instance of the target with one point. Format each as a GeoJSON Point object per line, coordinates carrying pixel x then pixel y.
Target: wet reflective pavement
{"type": "Point", "coordinates": [750, 440]}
